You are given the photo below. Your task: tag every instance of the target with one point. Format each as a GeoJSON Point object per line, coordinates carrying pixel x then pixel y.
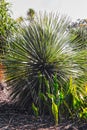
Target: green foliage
{"type": "Point", "coordinates": [56, 99]}
{"type": "Point", "coordinates": [7, 24]}
{"type": "Point", "coordinates": [30, 15]}
{"type": "Point", "coordinates": [79, 37]}
{"type": "Point", "coordinates": [39, 63]}
{"type": "Point", "coordinates": [55, 112]}
{"type": "Point", "coordinates": [83, 113]}
{"type": "Point", "coordinates": [75, 99]}
{"type": "Point", "coordinates": [19, 20]}
{"type": "Point", "coordinates": [35, 109]}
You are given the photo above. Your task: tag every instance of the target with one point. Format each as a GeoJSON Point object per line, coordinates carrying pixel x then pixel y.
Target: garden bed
{"type": "Point", "coordinates": [15, 118]}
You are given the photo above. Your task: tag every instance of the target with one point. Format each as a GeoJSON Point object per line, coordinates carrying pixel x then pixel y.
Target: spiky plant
{"type": "Point", "coordinates": [41, 50]}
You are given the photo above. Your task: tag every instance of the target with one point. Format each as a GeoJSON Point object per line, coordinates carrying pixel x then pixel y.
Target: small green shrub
{"type": "Point", "coordinates": [7, 24]}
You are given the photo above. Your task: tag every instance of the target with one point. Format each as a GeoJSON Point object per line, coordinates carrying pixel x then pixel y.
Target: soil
{"type": "Point", "coordinates": [15, 118]}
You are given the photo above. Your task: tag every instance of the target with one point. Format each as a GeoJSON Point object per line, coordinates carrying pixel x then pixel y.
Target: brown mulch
{"type": "Point", "coordinates": [15, 118]}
